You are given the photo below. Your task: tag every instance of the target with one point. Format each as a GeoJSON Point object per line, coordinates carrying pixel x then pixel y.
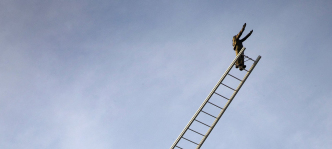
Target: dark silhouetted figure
{"type": "Point", "coordinates": [237, 44]}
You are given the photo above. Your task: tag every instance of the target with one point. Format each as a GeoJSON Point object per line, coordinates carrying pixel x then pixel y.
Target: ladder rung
{"type": "Point", "coordinates": [248, 57]}
{"type": "Point", "coordinates": [245, 70]}
{"type": "Point", "coordinates": [235, 77]}
{"type": "Point", "coordinates": [190, 140]}
{"type": "Point", "coordinates": [202, 123]}
{"type": "Point", "coordinates": [228, 86]}
{"type": "Point", "coordinates": [214, 104]}
{"type": "Point", "coordinates": [208, 114]}
{"type": "Point", "coordinates": [196, 131]}
{"type": "Point", "coordinates": [221, 95]}
{"type": "Point", "coordinates": [178, 147]}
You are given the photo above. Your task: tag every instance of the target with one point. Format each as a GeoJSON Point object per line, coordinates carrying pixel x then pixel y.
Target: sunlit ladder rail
{"type": "Point", "coordinates": [213, 92]}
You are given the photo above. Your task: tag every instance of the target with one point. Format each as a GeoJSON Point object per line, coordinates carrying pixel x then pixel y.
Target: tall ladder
{"type": "Point", "coordinates": [222, 110]}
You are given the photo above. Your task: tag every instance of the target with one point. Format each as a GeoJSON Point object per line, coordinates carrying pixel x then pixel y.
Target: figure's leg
{"type": "Point", "coordinates": [244, 66]}
{"type": "Point", "coordinates": [242, 60]}
{"type": "Point", "coordinates": [237, 63]}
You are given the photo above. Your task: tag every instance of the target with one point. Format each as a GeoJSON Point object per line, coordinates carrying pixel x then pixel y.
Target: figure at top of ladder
{"type": "Point", "coordinates": [237, 46]}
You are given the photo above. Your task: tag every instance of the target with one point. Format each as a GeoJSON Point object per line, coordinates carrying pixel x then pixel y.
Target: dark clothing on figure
{"type": "Point", "coordinates": [237, 45]}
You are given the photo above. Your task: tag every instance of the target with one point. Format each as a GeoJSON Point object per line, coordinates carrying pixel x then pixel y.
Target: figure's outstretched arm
{"type": "Point", "coordinates": [240, 33]}
{"type": "Point", "coordinates": [246, 36]}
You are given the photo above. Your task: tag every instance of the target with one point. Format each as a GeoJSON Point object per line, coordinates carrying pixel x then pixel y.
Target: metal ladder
{"type": "Point", "coordinates": [222, 110]}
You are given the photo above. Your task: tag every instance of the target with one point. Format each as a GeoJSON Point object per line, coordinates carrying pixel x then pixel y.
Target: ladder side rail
{"type": "Point", "coordinates": [228, 103]}
{"type": "Point", "coordinates": [208, 98]}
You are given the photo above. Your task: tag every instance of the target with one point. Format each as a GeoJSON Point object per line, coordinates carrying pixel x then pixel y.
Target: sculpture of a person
{"type": "Point", "coordinates": [237, 46]}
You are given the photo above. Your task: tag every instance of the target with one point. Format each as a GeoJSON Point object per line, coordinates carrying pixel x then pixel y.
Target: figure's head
{"type": "Point", "coordinates": [234, 40]}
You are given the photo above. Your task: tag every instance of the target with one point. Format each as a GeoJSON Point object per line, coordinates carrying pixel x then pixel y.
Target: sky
{"type": "Point", "coordinates": [130, 74]}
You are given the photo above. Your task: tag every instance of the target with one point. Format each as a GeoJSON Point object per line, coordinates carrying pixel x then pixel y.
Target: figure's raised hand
{"type": "Point", "coordinates": [247, 36]}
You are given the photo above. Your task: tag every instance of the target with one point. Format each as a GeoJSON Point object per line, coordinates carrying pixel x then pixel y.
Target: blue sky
{"type": "Point", "coordinates": [130, 74]}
